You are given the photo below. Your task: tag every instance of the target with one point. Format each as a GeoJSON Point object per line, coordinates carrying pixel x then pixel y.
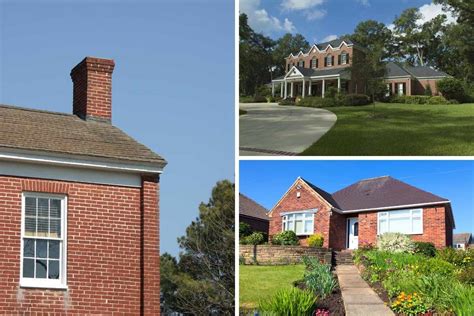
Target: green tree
{"type": "Point", "coordinates": [408, 36]}
{"type": "Point", "coordinates": [371, 34]}
{"type": "Point", "coordinates": [284, 46]}
{"type": "Point", "coordinates": [202, 282]}
{"type": "Point", "coordinates": [255, 60]}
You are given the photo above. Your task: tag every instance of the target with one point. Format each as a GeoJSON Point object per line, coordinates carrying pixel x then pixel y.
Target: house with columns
{"type": "Point", "coordinates": [328, 65]}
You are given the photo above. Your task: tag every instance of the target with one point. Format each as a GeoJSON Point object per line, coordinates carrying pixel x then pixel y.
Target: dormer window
{"type": "Point", "coordinates": [328, 61]}
{"type": "Point", "coordinates": [301, 63]}
{"type": "Point", "coordinates": [313, 63]}
{"type": "Point", "coordinates": [344, 59]}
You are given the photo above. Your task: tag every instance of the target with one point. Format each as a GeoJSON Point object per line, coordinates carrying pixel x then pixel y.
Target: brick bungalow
{"type": "Point", "coordinates": [328, 65]}
{"type": "Point", "coordinates": [253, 214]}
{"type": "Point", "coordinates": [79, 208]}
{"type": "Point", "coordinates": [360, 212]}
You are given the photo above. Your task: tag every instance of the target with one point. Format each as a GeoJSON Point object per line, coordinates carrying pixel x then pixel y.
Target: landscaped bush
{"type": "Point", "coordinates": [271, 99]}
{"type": "Point", "coordinates": [259, 99]}
{"type": "Point", "coordinates": [244, 230]}
{"type": "Point", "coordinates": [316, 102]}
{"type": "Point", "coordinates": [255, 238]}
{"type": "Point", "coordinates": [316, 240]}
{"type": "Point", "coordinates": [289, 302]}
{"type": "Point", "coordinates": [252, 99]}
{"type": "Point", "coordinates": [356, 99]}
{"type": "Point", "coordinates": [287, 101]}
{"type": "Point", "coordinates": [437, 100]}
{"type": "Point", "coordinates": [417, 99]}
{"type": "Point", "coordinates": [428, 91]}
{"type": "Point", "coordinates": [452, 89]}
{"type": "Point", "coordinates": [318, 277]}
{"type": "Point", "coordinates": [285, 238]}
{"type": "Point", "coordinates": [466, 275]}
{"type": "Point", "coordinates": [425, 248]}
{"type": "Point", "coordinates": [460, 258]}
{"type": "Point", "coordinates": [395, 242]}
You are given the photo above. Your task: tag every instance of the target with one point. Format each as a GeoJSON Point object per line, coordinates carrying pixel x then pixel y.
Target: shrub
{"type": "Point", "coordinates": [409, 304]}
{"type": "Point", "coordinates": [289, 302]}
{"type": "Point", "coordinates": [246, 99]}
{"type": "Point", "coordinates": [466, 275]}
{"type": "Point", "coordinates": [271, 99]}
{"type": "Point", "coordinates": [434, 266]}
{"type": "Point", "coordinates": [428, 91]}
{"type": "Point", "coordinates": [287, 101]}
{"type": "Point", "coordinates": [318, 277]}
{"type": "Point", "coordinates": [285, 238]}
{"type": "Point", "coordinates": [255, 238]}
{"type": "Point", "coordinates": [259, 99]}
{"type": "Point", "coordinates": [460, 258]}
{"type": "Point", "coordinates": [331, 92]}
{"type": "Point", "coordinates": [244, 230]}
{"type": "Point", "coordinates": [437, 100]}
{"type": "Point", "coordinates": [452, 89]}
{"type": "Point", "coordinates": [395, 242]}
{"type": "Point", "coordinates": [316, 102]}
{"type": "Point", "coordinates": [356, 99]}
{"type": "Point", "coordinates": [425, 248]}
{"type": "Point", "coordinates": [316, 240]}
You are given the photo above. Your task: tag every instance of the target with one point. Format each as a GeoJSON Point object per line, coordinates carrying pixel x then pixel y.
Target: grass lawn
{"type": "Point", "coordinates": [399, 130]}
{"type": "Point", "coordinates": [259, 282]}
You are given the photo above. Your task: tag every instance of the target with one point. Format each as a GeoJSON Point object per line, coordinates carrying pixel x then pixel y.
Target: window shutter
{"type": "Point", "coordinates": [339, 59]}
{"type": "Point", "coordinates": [332, 60]}
{"type": "Point", "coordinates": [404, 89]}
{"type": "Point", "coordinates": [325, 62]}
{"type": "Point", "coordinates": [317, 63]}
{"type": "Point", "coordinates": [347, 58]}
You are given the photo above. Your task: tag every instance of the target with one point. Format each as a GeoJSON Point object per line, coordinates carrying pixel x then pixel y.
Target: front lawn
{"type": "Point", "coordinates": [262, 282]}
{"type": "Point", "coordinates": [399, 130]}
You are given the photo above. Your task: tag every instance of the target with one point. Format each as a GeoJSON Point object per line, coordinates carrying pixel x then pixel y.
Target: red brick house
{"type": "Point", "coordinates": [360, 212]}
{"type": "Point", "coordinates": [79, 208]}
{"type": "Point", "coordinates": [327, 64]}
{"type": "Point", "coordinates": [253, 214]}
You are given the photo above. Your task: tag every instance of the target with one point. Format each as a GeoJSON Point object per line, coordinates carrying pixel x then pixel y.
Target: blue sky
{"type": "Point", "coordinates": [173, 84]}
{"type": "Point", "coordinates": [321, 20]}
{"type": "Point", "coordinates": [267, 181]}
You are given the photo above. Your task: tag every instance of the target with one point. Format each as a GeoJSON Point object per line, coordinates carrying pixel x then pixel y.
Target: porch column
{"type": "Point", "coordinates": [281, 90]}
{"type": "Point", "coordinates": [273, 89]}
{"type": "Point", "coordinates": [339, 84]}
{"type": "Point", "coordinates": [303, 89]}
{"type": "Point", "coordinates": [309, 88]}
{"type": "Point", "coordinates": [323, 88]}
{"type": "Point", "coordinates": [291, 89]}
{"type": "Point", "coordinates": [286, 89]}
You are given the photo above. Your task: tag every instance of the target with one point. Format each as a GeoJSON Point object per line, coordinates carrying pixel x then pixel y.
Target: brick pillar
{"type": "Point", "coordinates": [150, 241]}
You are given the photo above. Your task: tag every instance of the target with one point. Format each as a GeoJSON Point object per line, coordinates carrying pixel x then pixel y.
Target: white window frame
{"type": "Point", "coordinates": [329, 61]}
{"type": "Point", "coordinates": [386, 214]}
{"type": "Point", "coordinates": [285, 222]}
{"type": "Point", "coordinates": [344, 59]}
{"type": "Point", "coordinates": [46, 283]}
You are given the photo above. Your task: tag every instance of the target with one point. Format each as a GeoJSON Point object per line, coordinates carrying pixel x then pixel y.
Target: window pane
{"type": "Point", "coordinates": [291, 225]}
{"type": "Point", "coordinates": [383, 226]}
{"type": "Point", "coordinates": [43, 227]}
{"type": "Point", "coordinates": [299, 216]}
{"type": "Point", "coordinates": [30, 226]}
{"type": "Point", "coordinates": [30, 206]}
{"type": "Point", "coordinates": [400, 225]}
{"type": "Point", "coordinates": [308, 227]}
{"type": "Point", "coordinates": [41, 251]}
{"type": "Point", "coordinates": [400, 214]}
{"type": "Point", "coordinates": [308, 215]}
{"type": "Point", "coordinates": [290, 216]}
{"type": "Point", "coordinates": [417, 225]}
{"type": "Point", "coordinates": [43, 207]}
{"type": "Point", "coordinates": [55, 208]}
{"type": "Point", "coordinates": [53, 249]}
{"type": "Point", "coordinates": [299, 227]}
{"type": "Point", "coordinates": [356, 229]}
{"type": "Point", "coordinates": [28, 268]}
{"type": "Point", "coordinates": [416, 213]}
{"type": "Point", "coordinates": [41, 269]}
{"type": "Point", "coordinates": [53, 269]}
{"type": "Point", "coordinates": [29, 248]}
{"type": "Point", "coordinates": [55, 229]}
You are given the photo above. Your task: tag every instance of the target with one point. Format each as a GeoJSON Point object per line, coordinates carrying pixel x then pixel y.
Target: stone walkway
{"type": "Point", "coordinates": [359, 298]}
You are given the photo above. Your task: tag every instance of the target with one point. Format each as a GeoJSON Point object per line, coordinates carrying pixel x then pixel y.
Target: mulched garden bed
{"type": "Point", "coordinates": [333, 303]}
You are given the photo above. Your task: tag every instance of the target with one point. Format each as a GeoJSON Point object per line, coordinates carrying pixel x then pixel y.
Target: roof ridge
{"type": "Point", "coordinates": [245, 196]}
{"type": "Point", "coordinates": [21, 108]}
{"type": "Point", "coordinates": [368, 179]}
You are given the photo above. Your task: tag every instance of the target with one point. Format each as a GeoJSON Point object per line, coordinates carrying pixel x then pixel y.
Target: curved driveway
{"type": "Point", "coordinates": [272, 129]}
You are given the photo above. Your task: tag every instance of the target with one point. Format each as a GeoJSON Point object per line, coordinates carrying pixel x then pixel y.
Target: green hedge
{"type": "Point", "coordinates": [418, 99]}
{"type": "Point", "coordinates": [338, 100]}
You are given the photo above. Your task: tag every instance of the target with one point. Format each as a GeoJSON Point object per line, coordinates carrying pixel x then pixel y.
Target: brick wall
{"type": "Point", "coordinates": [394, 84]}
{"type": "Point", "coordinates": [103, 249]}
{"type": "Point", "coordinates": [275, 255]}
{"type": "Point", "coordinates": [320, 56]}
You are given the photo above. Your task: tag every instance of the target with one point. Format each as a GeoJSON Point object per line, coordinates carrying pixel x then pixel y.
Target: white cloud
{"type": "Point", "coordinates": [315, 14]}
{"type": "Point", "coordinates": [430, 11]}
{"type": "Point", "coordinates": [297, 5]}
{"type": "Point", "coordinates": [329, 38]}
{"type": "Point", "coordinates": [365, 3]}
{"type": "Point", "coordinates": [261, 21]}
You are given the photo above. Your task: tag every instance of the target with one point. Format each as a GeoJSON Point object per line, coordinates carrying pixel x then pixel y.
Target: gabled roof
{"type": "Point", "coordinates": [334, 43]}
{"type": "Point", "coordinates": [249, 207]}
{"type": "Point", "coordinates": [310, 72]}
{"type": "Point", "coordinates": [325, 195]}
{"type": "Point", "coordinates": [395, 70]}
{"type": "Point", "coordinates": [462, 238]}
{"type": "Point", "coordinates": [66, 134]}
{"type": "Point", "coordinates": [382, 193]}
{"type": "Point", "coordinates": [398, 70]}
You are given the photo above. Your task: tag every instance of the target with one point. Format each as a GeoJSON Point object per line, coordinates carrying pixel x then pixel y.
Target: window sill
{"type": "Point", "coordinates": [43, 286]}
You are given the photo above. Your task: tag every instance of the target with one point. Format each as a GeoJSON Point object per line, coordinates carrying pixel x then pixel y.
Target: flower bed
{"type": "Point", "coordinates": [415, 284]}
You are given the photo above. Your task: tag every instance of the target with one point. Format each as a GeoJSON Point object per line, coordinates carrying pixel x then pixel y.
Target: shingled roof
{"type": "Point", "coordinates": [399, 70]}
{"type": "Point", "coordinates": [382, 192]}
{"type": "Point", "coordinates": [249, 207]}
{"type": "Point", "coordinates": [462, 238]}
{"type": "Point", "coordinates": [60, 133]}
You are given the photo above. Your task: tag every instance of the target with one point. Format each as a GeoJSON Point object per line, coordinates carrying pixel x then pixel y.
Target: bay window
{"type": "Point", "coordinates": [301, 223]}
{"type": "Point", "coordinates": [403, 221]}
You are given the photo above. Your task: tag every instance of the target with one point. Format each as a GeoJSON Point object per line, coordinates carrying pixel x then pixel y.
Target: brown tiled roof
{"type": "Point", "coordinates": [325, 195]}
{"type": "Point", "coordinates": [61, 133]}
{"type": "Point", "coordinates": [462, 238]}
{"type": "Point", "coordinates": [382, 192]}
{"type": "Point", "coordinates": [251, 208]}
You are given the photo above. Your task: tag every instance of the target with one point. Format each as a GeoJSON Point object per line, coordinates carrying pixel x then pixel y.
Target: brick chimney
{"type": "Point", "coordinates": [92, 89]}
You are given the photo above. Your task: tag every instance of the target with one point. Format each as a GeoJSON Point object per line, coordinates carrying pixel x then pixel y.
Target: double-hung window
{"type": "Point", "coordinates": [43, 241]}
{"type": "Point", "coordinates": [300, 223]}
{"type": "Point", "coordinates": [403, 221]}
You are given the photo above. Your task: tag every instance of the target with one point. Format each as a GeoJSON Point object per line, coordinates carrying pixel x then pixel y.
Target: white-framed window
{"type": "Point", "coordinates": [43, 241]}
{"type": "Point", "coordinates": [402, 221]}
{"type": "Point", "coordinates": [301, 223]}
{"type": "Point", "coordinates": [301, 63]}
{"type": "Point", "coordinates": [343, 58]}
{"type": "Point", "coordinates": [329, 61]}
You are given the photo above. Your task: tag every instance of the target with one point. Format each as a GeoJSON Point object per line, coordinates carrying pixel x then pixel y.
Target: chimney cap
{"type": "Point", "coordinates": [95, 63]}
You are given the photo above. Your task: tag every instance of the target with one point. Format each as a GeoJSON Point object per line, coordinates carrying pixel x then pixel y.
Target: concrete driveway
{"type": "Point", "coordinates": [272, 129]}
